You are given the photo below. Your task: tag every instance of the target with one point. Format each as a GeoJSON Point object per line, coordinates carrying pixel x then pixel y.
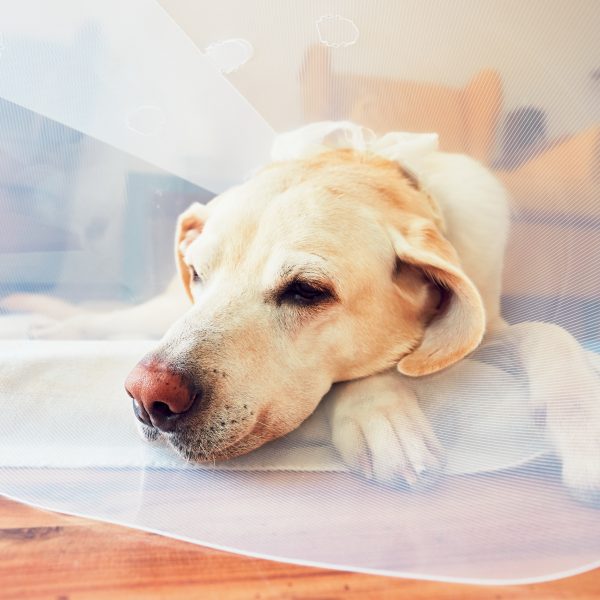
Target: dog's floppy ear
{"type": "Point", "coordinates": [459, 326]}
{"type": "Point", "coordinates": [189, 227]}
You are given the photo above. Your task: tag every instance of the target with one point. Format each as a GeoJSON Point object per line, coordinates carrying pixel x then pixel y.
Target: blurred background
{"type": "Point", "coordinates": [113, 121]}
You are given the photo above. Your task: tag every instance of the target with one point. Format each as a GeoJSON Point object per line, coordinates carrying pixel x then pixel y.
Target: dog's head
{"type": "Point", "coordinates": [315, 271]}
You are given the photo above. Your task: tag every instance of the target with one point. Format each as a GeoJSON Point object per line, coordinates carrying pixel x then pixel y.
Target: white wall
{"type": "Point", "coordinates": [544, 49]}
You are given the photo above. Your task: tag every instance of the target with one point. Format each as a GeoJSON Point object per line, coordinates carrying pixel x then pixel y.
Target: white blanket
{"type": "Point", "coordinates": [62, 404]}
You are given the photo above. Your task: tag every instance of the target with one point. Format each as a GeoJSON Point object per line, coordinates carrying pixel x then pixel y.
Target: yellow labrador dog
{"type": "Point", "coordinates": [341, 275]}
{"type": "Point", "coordinates": [317, 271]}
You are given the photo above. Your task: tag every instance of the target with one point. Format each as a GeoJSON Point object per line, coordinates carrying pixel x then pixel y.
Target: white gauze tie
{"type": "Point", "coordinates": [405, 148]}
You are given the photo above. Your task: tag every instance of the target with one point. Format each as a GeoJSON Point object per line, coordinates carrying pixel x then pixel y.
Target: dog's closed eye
{"type": "Point", "coordinates": [304, 293]}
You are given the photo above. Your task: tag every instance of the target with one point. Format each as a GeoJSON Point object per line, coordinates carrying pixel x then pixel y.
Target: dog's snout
{"type": "Point", "coordinates": [161, 395]}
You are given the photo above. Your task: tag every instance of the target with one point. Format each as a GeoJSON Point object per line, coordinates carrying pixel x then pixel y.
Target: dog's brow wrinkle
{"type": "Point", "coordinates": [285, 271]}
{"type": "Point", "coordinates": [307, 269]}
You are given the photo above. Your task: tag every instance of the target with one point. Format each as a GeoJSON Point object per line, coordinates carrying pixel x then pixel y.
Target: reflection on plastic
{"type": "Point", "coordinates": [336, 31]}
{"type": "Point", "coordinates": [107, 68]}
{"type": "Point", "coordinates": [230, 55]}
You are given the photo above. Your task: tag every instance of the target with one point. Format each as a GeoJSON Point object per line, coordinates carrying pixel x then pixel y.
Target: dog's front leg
{"type": "Point", "coordinates": [148, 320]}
{"type": "Point", "coordinates": [380, 431]}
{"type": "Point", "coordinates": [565, 385]}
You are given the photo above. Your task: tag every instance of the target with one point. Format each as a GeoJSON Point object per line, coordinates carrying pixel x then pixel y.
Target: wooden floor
{"type": "Point", "coordinates": [53, 556]}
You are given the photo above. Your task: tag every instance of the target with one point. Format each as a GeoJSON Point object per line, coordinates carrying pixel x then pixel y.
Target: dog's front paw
{"type": "Point", "coordinates": [574, 425]}
{"type": "Point", "coordinates": [581, 464]}
{"type": "Point", "coordinates": [380, 431]}
{"type": "Point", "coordinates": [583, 483]}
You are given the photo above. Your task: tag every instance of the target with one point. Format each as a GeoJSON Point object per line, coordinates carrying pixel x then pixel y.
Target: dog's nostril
{"type": "Point", "coordinates": [161, 410]}
{"type": "Point", "coordinates": [164, 417]}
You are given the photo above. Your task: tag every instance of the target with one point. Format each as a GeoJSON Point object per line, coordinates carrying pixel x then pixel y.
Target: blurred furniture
{"type": "Point", "coordinates": [465, 118]}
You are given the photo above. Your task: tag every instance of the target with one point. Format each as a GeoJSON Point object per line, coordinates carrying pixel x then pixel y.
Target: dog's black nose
{"type": "Point", "coordinates": [161, 395]}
